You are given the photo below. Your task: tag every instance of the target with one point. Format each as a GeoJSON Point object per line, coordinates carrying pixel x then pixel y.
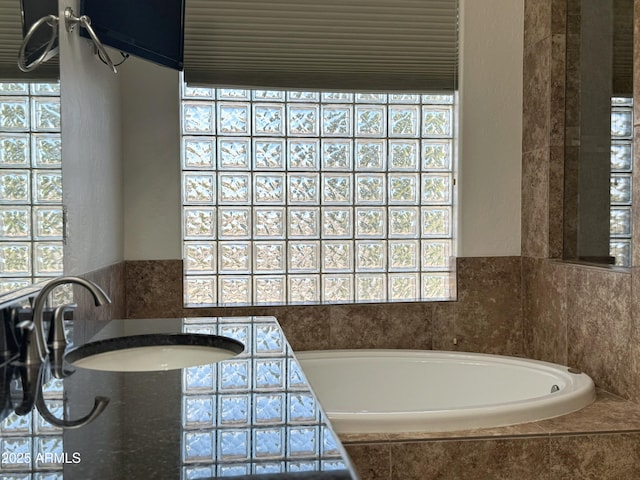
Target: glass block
{"type": "Point", "coordinates": [234, 410]}
{"type": "Point", "coordinates": [268, 154]}
{"type": "Point", "coordinates": [234, 257]}
{"type": "Point", "coordinates": [268, 340]}
{"type": "Point", "coordinates": [270, 289]}
{"type": "Point", "coordinates": [45, 114]}
{"type": "Point", "coordinates": [234, 188]}
{"type": "Point", "coordinates": [371, 97]}
{"type": "Point", "coordinates": [621, 189]}
{"type": "Point", "coordinates": [198, 153]}
{"type": "Point", "coordinates": [336, 121]}
{"type": "Point", "coordinates": [404, 222]}
{"type": "Point", "coordinates": [302, 466]}
{"type": "Point", "coordinates": [435, 98]}
{"type": "Point", "coordinates": [16, 454]}
{"type": "Point", "coordinates": [15, 259]}
{"type": "Point", "coordinates": [621, 251]}
{"type": "Point", "coordinates": [371, 222]}
{"type": "Point", "coordinates": [198, 472]}
{"type": "Point", "coordinates": [337, 288]}
{"type": "Point", "coordinates": [46, 150]}
{"type": "Point", "coordinates": [268, 223]}
{"type": "Point", "coordinates": [403, 189]}
{"type": "Point", "coordinates": [296, 378]}
{"type": "Point", "coordinates": [268, 119]}
{"type": "Point", "coordinates": [198, 188]}
{"type": "Point", "coordinates": [53, 475]}
{"type": "Point", "coordinates": [269, 408]}
{"type": "Point", "coordinates": [336, 189]}
{"type": "Point", "coordinates": [304, 222]}
{"type": "Point", "coordinates": [200, 257]}
{"type": "Point", "coordinates": [197, 446]}
{"type": "Point", "coordinates": [303, 96]}
{"type": "Point", "coordinates": [47, 451]}
{"type": "Point", "coordinates": [14, 187]}
{"type": "Point", "coordinates": [403, 98]}
{"type": "Point", "coordinates": [303, 154]}
{"type": "Point", "coordinates": [198, 118]}
{"type": "Point", "coordinates": [370, 155]}
{"type": "Point", "coordinates": [304, 188]}
{"type": "Point", "coordinates": [199, 223]}
{"type": "Point", "coordinates": [47, 186]}
{"type": "Point", "coordinates": [404, 120]}
{"type": "Point", "coordinates": [304, 256]}
{"type": "Point", "coordinates": [234, 154]}
{"type": "Point", "coordinates": [239, 332]}
{"type": "Point", "coordinates": [337, 222]}
{"type": "Point", "coordinates": [302, 441]}
{"type": "Point", "coordinates": [233, 469]}
{"type": "Point", "coordinates": [371, 287]}
{"type": "Point", "coordinates": [233, 445]}
{"type": "Point", "coordinates": [370, 121]}
{"type": "Point", "coordinates": [404, 255]}
{"type": "Point", "coordinates": [436, 286]}
{"type": "Point", "coordinates": [233, 94]}
{"type": "Point", "coordinates": [620, 221]}
{"type": "Point", "coordinates": [235, 290]}
{"type": "Point", "coordinates": [330, 465]}
{"type": "Point", "coordinates": [371, 256]}
{"type": "Point", "coordinates": [269, 188]}
{"type": "Point", "coordinates": [234, 375]}
{"type": "Point", "coordinates": [302, 408]}
{"type": "Point", "coordinates": [403, 155]}
{"type": "Point", "coordinates": [14, 114]}
{"type": "Point", "coordinates": [269, 257]}
{"type": "Point", "coordinates": [268, 95]}
{"type": "Point", "coordinates": [15, 223]}
{"type": "Point", "coordinates": [370, 188]}
{"type": "Point", "coordinates": [628, 101]}
{"type": "Point", "coordinates": [329, 445]}
{"type": "Point", "coordinates": [48, 258]}
{"type": "Point", "coordinates": [304, 288]}
{"type": "Point", "coordinates": [197, 92]}
{"type": "Point", "coordinates": [14, 424]}
{"type": "Point", "coordinates": [337, 154]}
{"type": "Point", "coordinates": [436, 121]}
{"type": "Point", "coordinates": [200, 290]}
{"type": "Point", "coordinates": [268, 443]}
{"type": "Point", "coordinates": [198, 411]}
{"type": "Point", "coordinates": [436, 221]}
{"type": "Point", "coordinates": [264, 468]}
{"type": "Point", "coordinates": [338, 97]}
{"type": "Point", "coordinates": [42, 427]}
{"type": "Point", "coordinates": [10, 284]}
{"type": "Point", "coordinates": [14, 150]}
{"type": "Point", "coordinates": [269, 373]}
{"type": "Point", "coordinates": [621, 122]}
{"type": "Point", "coordinates": [234, 118]}
{"type": "Point", "coordinates": [621, 156]}
{"type": "Point", "coordinates": [302, 120]}
{"type": "Point", "coordinates": [404, 287]}
{"type": "Point", "coordinates": [11, 88]}
{"type": "Point", "coordinates": [436, 155]}
{"type": "Point", "coordinates": [436, 188]}
{"type": "Point", "coordinates": [436, 254]}
{"type": "Point", "coordinates": [337, 256]}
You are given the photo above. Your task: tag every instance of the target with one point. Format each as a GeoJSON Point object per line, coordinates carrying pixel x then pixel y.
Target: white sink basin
{"type": "Point", "coordinates": [154, 352]}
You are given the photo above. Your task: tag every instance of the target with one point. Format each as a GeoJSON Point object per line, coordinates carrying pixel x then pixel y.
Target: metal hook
{"type": "Point", "coordinates": [70, 21]}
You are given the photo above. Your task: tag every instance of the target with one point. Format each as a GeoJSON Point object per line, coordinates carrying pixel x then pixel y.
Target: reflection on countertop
{"type": "Point", "coordinates": [252, 415]}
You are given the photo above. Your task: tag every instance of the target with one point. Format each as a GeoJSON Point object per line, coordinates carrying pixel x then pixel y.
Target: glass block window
{"type": "Point", "coordinates": [307, 197]}
{"type": "Point", "coordinates": [31, 215]}
{"type": "Point", "coordinates": [621, 172]}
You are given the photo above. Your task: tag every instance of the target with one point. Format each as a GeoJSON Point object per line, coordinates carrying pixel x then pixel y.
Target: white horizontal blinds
{"type": "Point", "coordinates": [10, 42]}
{"type": "Point", "coordinates": [385, 45]}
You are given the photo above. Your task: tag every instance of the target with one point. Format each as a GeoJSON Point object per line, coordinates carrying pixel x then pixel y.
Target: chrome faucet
{"type": "Point", "coordinates": [36, 350]}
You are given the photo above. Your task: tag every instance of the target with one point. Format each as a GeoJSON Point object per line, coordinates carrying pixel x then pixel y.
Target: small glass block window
{"type": "Point", "coordinates": [31, 212]}
{"type": "Point", "coordinates": [294, 197]}
{"type": "Point", "coordinates": [620, 180]}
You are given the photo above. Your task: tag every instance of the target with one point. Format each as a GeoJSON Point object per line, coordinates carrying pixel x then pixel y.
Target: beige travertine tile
{"type": "Point", "coordinates": [372, 461]}
{"type": "Point", "coordinates": [153, 288]}
{"type": "Point", "coordinates": [535, 203]}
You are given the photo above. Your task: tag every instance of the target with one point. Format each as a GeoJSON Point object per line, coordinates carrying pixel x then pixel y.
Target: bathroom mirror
{"type": "Point", "coordinates": [598, 132]}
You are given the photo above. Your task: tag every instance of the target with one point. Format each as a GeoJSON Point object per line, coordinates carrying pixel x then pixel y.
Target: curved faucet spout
{"type": "Point", "coordinates": [99, 404]}
{"type": "Point", "coordinates": [99, 297]}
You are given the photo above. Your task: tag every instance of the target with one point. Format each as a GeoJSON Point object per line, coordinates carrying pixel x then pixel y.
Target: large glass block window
{"type": "Point", "coordinates": [621, 173]}
{"type": "Point", "coordinates": [31, 219]}
{"type": "Point", "coordinates": [307, 197]}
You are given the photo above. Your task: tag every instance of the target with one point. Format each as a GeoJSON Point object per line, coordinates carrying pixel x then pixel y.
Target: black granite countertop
{"type": "Point", "coordinates": [251, 416]}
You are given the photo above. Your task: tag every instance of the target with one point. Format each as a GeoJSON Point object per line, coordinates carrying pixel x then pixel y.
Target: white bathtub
{"type": "Point", "coordinates": [364, 391]}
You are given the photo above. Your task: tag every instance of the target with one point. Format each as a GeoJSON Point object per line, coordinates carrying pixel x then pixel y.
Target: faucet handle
{"type": "Point", "coordinates": [56, 337]}
{"type": "Point", "coordinates": [31, 352]}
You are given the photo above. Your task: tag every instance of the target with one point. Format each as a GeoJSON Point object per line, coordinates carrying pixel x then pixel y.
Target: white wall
{"type": "Point", "coordinates": [91, 145]}
{"type": "Point", "coordinates": [490, 141]}
{"type": "Point", "coordinates": [490, 127]}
